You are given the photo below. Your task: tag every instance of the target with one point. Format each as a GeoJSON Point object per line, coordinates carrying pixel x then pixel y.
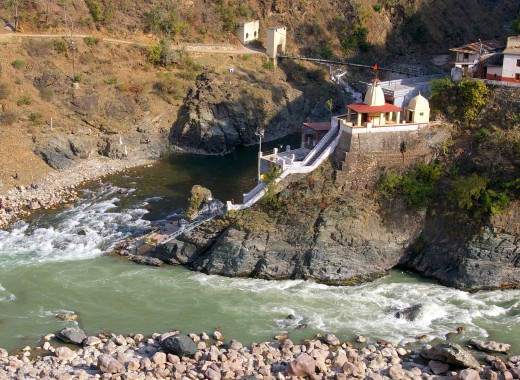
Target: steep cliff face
{"type": "Point", "coordinates": [460, 255]}
{"type": "Point", "coordinates": [223, 111]}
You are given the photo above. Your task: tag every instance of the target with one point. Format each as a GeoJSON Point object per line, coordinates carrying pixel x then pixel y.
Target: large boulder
{"type": "Point", "coordinates": [409, 313]}
{"type": "Point", "coordinates": [65, 353]}
{"type": "Point", "coordinates": [180, 345]}
{"type": "Point", "coordinates": [107, 364]}
{"type": "Point", "coordinates": [71, 335]}
{"type": "Point", "coordinates": [490, 346]}
{"type": "Point", "coordinates": [303, 365]}
{"type": "Point", "coordinates": [451, 353]}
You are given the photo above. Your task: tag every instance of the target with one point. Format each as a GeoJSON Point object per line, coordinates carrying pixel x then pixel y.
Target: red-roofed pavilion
{"type": "Point", "coordinates": [374, 109]}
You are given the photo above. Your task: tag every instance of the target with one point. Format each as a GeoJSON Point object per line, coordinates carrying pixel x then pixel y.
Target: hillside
{"type": "Point", "coordinates": [129, 94]}
{"type": "Point", "coordinates": [336, 27]}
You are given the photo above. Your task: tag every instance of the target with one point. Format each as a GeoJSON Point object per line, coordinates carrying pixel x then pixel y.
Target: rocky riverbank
{"type": "Point", "coordinates": [174, 355]}
{"type": "Point", "coordinates": [59, 187]}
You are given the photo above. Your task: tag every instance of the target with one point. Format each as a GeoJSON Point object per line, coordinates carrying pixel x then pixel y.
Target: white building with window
{"type": "Point", "coordinates": [468, 56]}
{"type": "Point", "coordinates": [511, 65]}
{"type": "Point", "coordinates": [247, 32]}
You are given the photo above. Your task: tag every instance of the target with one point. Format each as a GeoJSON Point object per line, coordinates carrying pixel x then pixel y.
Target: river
{"type": "Point", "coordinates": [56, 263]}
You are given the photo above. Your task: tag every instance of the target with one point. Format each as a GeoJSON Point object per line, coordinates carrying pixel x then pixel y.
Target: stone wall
{"type": "Point", "coordinates": [362, 158]}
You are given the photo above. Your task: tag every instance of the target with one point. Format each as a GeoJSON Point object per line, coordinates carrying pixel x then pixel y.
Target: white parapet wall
{"type": "Point", "coordinates": [247, 32]}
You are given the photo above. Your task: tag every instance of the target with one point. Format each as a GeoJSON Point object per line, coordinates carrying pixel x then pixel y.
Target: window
{"type": "Point", "coordinates": [517, 76]}
{"type": "Point", "coordinates": [421, 114]}
{"type": "Point", "coordinates": [518, 63]}
{"type": "Point", "coordinates": [466, 56]}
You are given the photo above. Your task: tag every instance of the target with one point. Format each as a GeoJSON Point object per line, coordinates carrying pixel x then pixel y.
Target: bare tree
{"type": "Point", "coordinates": [15, 7]}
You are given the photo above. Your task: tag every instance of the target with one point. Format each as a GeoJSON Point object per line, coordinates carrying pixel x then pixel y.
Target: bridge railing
{"type": "Point", "coordinates": [320, 144]}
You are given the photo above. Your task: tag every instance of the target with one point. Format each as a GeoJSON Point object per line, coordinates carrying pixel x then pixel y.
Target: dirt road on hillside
{"type": "Point", "coordinates": [202, 48]}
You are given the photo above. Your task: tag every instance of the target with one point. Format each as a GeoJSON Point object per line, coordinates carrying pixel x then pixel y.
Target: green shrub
{"type": "Point", "coordinates": [4, 90]}
{"type": "Point", "coordinates": [59, 46]}
{"type": "Point", "coordinates": [229, 18]}
{"type": "Point", "coordinates": [356, 39]}
{"type": "Point", "coordinates": [415, 28]}
{"type": "Point", "coordinates": [482, 134]}
{"type": "Point", "coordinates": [163, 19]}
{"type": "Point", "coordinates": [246, 56]}
{"type": "Point", "coordinates": [515, 26]}
{"type": "Point", "coordinates": [91, 40]}
{"type": "Point", "coordinates": [24, 101]}
{"type": "Point", "coordinates": [47, 94]}
{"type": "Point", "coordinates": [472, 96]}
{"type": "Point", "coordinates": [378, 7]}
{"type": "Point", "coordinates": [463, 99]}
{"type": "Point", "coordinates": [78, 78]}
{"type": "Point", "coordinates": [417, 185]}
{"type": "Point", "coordinates": [269, 65]}
{"type": "Point", "coordinates": [101, 10]}
{"type": "Point", "coordinates": [35, 118]}
{"type": "Point", "coordinates": [18, 64]}
{"type": "Point", "coordinates": [154, 54]}
{"type": "Point", "coordinates": [472, 194]}
{"type": "Point", "coordinates": [466, 191]}
{"type": "Point", "coordinates": [111, 81]}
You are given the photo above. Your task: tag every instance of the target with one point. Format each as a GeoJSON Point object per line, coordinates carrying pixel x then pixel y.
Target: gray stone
{"type": "Point", "coordinates": [331, 339]}
{"type": "Point", "coordinates": [469, 374]}
{"type": "Point", "coordinates": [71, 335]}
{"type": "Point", "coordinates": [180, 345]}
{"type": "Point", "coordinates": [451, 353]}
{"type": "Point", "coordinates": [438, 367]}
{"type": "Point", "coordinates": [396, 372]}
{"type": "Point", "coordinates": [409, 313]}
{"type": "Point", "coordinates": [490, 346]}
{"type": "Point", "coordinates": [515, 372]}
{"type": "Point", "coordinates": [92, 341]}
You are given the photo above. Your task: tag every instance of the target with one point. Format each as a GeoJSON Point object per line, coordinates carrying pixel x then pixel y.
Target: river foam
{"type": "Point", "coordinates": [370, 309]}
{"type": "Point", "coordinates": [85, 230]}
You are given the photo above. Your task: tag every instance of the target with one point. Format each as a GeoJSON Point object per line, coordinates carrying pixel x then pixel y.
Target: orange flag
{"type": "Point", "coordinates": [375, 67]}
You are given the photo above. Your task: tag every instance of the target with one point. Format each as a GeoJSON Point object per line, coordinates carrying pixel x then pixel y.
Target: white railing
{"type": "Point", "coordinates": [253, 192]}
{"type": "Point", "coordinates": [259, 190]}
{"type": "Point", "coordinates": [320, 145]}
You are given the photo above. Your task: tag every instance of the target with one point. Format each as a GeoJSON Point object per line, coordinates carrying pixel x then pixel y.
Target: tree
{"type": "Point", "coordinates": [466, 191]}
{"type": "Point", "coordinates": [16, 8]}
{"type": "Point", "coordinates": [471, 97]}
{"type": "Point", "coordinates": [515, 26]}
{"type": "Point", "coordinates": [330, 105]}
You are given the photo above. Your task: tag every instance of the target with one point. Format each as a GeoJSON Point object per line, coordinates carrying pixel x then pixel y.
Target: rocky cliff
{"type": "Point", "coordinates": [333, 227]}
{"type": "Point", "coordinates": [223, 111]}
{"type": "Point", "coordinates": [316, 231]}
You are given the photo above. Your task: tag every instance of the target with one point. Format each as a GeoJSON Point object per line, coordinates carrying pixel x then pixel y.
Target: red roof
{"type": "Point", "coordinates": [318, 125]}
{"type": "Point", "coordinates": [365, 108]}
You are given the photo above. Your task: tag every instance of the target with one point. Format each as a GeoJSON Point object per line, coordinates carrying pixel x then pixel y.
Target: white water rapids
{"type": "Point", "coordinates": [57, 263]}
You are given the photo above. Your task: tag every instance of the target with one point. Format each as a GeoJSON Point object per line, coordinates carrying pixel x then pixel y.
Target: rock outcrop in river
{"type": "Point", "coordinates": [332, 227]}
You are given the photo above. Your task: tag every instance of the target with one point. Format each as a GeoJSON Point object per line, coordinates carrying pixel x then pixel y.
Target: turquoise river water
{"type": "Point", "coordinates": [56, 262]}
